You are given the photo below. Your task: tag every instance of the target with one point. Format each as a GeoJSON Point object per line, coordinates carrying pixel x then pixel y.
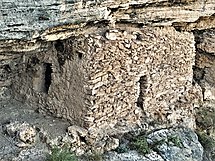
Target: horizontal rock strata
{"type": "Point", "coordinates": [109, 67]}
{"type": "Point", "coordinates": [29, 19]}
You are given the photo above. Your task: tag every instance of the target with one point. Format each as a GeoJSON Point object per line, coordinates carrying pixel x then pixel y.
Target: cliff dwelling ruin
{"type": "Point", "coordinates": [108, 67]}
{"type": "Point", "coordinates": [110, 79]}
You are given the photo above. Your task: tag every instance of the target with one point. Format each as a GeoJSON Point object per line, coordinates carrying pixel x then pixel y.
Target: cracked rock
{"type": "Point", "coordinates": [24, 133]}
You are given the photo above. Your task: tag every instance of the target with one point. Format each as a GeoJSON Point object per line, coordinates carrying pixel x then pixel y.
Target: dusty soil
{"type": "Point", "coordinates": [47, 128]}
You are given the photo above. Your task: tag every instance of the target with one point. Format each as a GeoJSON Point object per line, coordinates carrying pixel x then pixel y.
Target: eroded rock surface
{"type": "Point", "coordinates": [204, 76]}
{"type": "Point", "coordinates": [22, 132]}
{"type": "Point", "coordinates": [106, 67]}
{"type": "Point", "coordinates": [23, 19]}
{"type": "Point", "coordinates": [174, 144]}
{"type": "Point", "coordinates": [133, 156]}
{"type": "Point", "coordinates": [178, 144]}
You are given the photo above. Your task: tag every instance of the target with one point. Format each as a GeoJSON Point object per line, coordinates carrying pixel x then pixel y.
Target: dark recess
{"type": "Point", "coordinates": [80, 55]}
{"type": "Point", "coordinates": [62, 51]}
{"type": "Point", "coordinates": [59, 46]}
{"type": "Point", "coordinates": [48, 79]}
{"type": "Point", "coordinates": [143, 86]}
{"type": "Point", "coordinates": [15, 25]}
{"type": "Point", "coordinates": [139, 37]}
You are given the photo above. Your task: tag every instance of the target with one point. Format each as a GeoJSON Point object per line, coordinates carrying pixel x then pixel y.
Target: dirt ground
{"type": "Point", "coordinates": [48, 130]}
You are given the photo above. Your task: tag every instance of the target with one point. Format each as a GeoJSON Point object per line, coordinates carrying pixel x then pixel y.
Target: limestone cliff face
{"type": "Point", "coordinates": [109, 66]}
{"type": "Point", "coordinates": [28, 19]}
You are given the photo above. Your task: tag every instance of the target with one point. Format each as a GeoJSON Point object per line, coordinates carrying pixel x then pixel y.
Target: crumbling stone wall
{"type": "Point", "coordinates": [136, 74]}
{"type": "Point", "coordinates": [109, 66]}
{"type": "Point", "coordinates": [112, 81]}
{"type": "Point", "coordinates": [52, 81]}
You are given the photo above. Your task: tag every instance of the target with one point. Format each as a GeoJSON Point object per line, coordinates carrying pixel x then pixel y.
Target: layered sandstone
{"type": "Point", "coordinates": [109, 67]}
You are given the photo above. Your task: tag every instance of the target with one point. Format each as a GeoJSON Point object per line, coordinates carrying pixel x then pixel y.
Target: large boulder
{"type": "Point", "coordinates": [174, 144]}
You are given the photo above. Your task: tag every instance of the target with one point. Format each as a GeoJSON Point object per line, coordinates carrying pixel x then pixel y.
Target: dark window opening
{"type": "Point", "coordinates": [139, 37]}
{"type": "Point", "coordinates": [83, 139]}
{"type": "Point", "coordinates": [142, 87]}
{"type": "Point", "coordinates": [80, 55]}
{"type": "Point", "coordinates": [48, 79]}
{"type": "Point", "coordinates": [59, 46]}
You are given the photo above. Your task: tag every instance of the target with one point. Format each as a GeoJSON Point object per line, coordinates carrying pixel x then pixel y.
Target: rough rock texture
{"type": "Point", "coordinates": [111, 82]}
{"type": "Point", "coordinates": [132, 156]}
{"type": "Point", "coordinates": [204, 76]}
{"type": "Point", "coordinates": [22, 132]}
{"type": "Point", "coordinates": [178, 144]}
{"type": "Point", "coordinates": [205, 64]}
{"type": "Point", "coordinates": [17, 124]}
{"type": "Point", "coordinates": [55, 73]}
{"type": "Point", "coordinates": [134, 76]}
{"type": "Point", "coordinates": [27, 19]}
{"type": "Point", "coordinates": [108, 67]}
{"type": "Point", "coordinates": [174, 144]}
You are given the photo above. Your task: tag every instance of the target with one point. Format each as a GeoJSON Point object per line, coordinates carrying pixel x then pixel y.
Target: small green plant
{"type": "Point", "coordinates": [155, 145]}
{"type": "Point", "coordinates": [141, 145]}
{"type": "Point", "coordinates": [63, 154]}
{"type": "Point", "coordinates": [175, 140]}
{"type": "Point", "coordinates": [77, 22]}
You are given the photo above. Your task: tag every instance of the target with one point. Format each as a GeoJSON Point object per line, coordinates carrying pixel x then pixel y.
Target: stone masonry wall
{"type": "Point", "coordinates": [109, 66]}
{"type": "Point", "coordinates": [128, 76]}
{"type": "Point", "coordinates": [52, 81]}
{"type": "Point", "coordinates": [141, 74]}
{"type": "Point", "coordinates": [111, 81]}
